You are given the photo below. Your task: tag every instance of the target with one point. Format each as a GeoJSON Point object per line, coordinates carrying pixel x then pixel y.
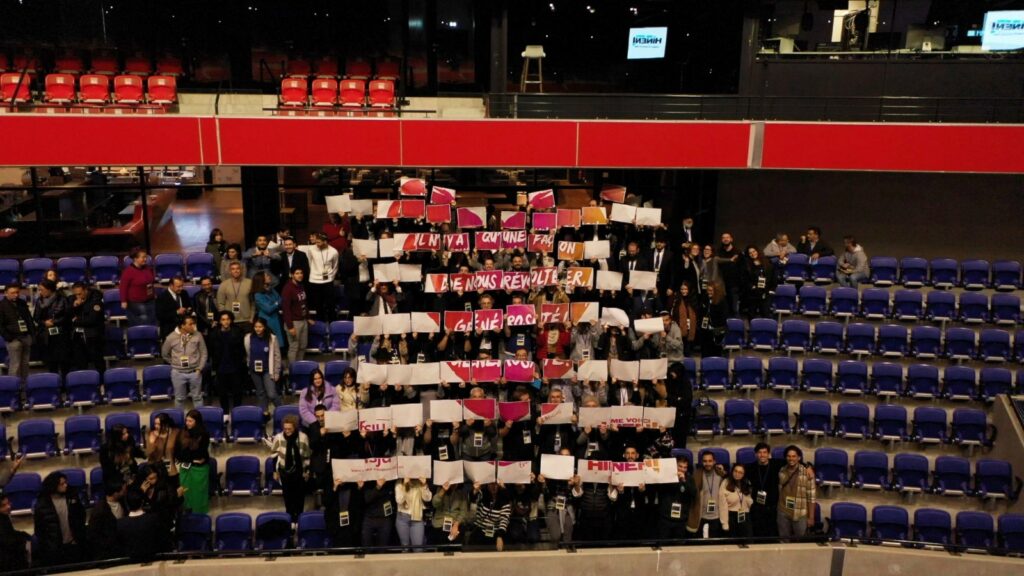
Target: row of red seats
{"type": "Point", "coordinates": [327, 92]}
{"type": "Point", "coordinates": [355, 69]}
{"type": "Point", "coordinates": [92, 89]}
{"type": "Point", "coordinates": [100, 63]}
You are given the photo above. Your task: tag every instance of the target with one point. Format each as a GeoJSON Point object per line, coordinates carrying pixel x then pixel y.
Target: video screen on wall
{"type": "Point", "coordinates": [647, 43]}
{"type": "Point", "coordinates": [1004, 30]}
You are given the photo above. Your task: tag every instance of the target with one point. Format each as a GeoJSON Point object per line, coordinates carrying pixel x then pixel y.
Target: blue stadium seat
{"type": "Point", "coordinates": [312, 531]}
{"type": "Point", "coordinates": [1011, 532]}
{"type": "Point", "coordinates": [883, 271]}
{"type": "Point", "coordinates": [128, 419]}
{"type": "Point", "coordinates": [952, 476]}
{"type": "Point", "coordinates": [37, 438]}
{"type": "Point", "coordinates": [112, 306]}
{"type": "Point", "coordinates": [813, 301]}
{"type": "Point", "coordinates": [143, 342]}
{"type": "Point", "coordinates": [746, 456]}
{"type": "Point", "coordinates": [318, 340]}
{"type": "Point", "coordinates": [42, 391]}
{"type": "Point", "coordinates": [334, 369]}
{"type": "Point", "coordinates": [682, 454]}
{"type": "Point", "coordinates": [194, 533]}
{"type": "Point", "coordinates": [959, 383]}
{"type": "Point", "coordinates": [1006, 275]}
{"type": "Point", "coordinates": [247, 424]}
{"type": "Point", "coordinates": [832, 467]}
{"type": "Point", "coordinates": [739, 417]}
{"type": "Point", "coordinates": [773, 416]}
{"type": "Point", "coordinates": [177, 415]}
{"type": "Point", "coordinates": [280, 542]}
{"type": "Point", "coordinates": [242, 476]}
{"type": "Point", "coordinates": [167, 266]}
{"type": "Point", "coordinates": [156, 383]}
{"type": "Point", "coordinates": [969, 427]}
{"type": "Point", "coordinates": [280, 412]}
{"type": "Point", "coordinates": [96, 484]}
{"type": "Point", "coordinates": [213, 419]}
{"type": "Point", "coordinates": [782, 373]}
{"type": "Point", "coordinates": [994, 345]}
{"type": "Point", "coordinates": [871, 470]}
{"type": "Point", "coordinates": [105, 270]}
{"type": "Point", "coordinates": [940, 306]}
{"type": "Point", "coordinates": [714, 373]}
{"type": "Point", "coordinates": [923, 381]}
{"type": "Point", "coordinates": [796, 336]}
{"type": "Point", "coordinates": [913, 272]}
{"type": "Point", "coordinates": [815, 418]}
{"type": "Point", "coordinates": [844, 302]}
{"type": "Point", "coordinates": [944, 273]}
{"type": "Point", "coordinates": [71, 269]}
{"type": "Point", "coordinates": [892, 341]}
{"type": "Point", "coordinates": [961, 344]}
{"type": "Point", "coordinates": [198, 265]}
{"type": "Point", "coordinates": [828, 337]}
{"type": "Point", "coordinates": [995, 381]}
{"type": "Point", "coordinates": [890, 523]}
{"type": "Point", "coordinates": [33, 269]}
{"type": "Point", "coordinates": [860, 339]}
{"type": "Point", "coordinates": [908, 305]}
{"type": "Point", "coordinates": [852, 378]}
{"type": "Point", "coordinates": [853, 421]}
{"type": "Point", "coordinates": [271, 487]}
{"type": "Point", "coordinates": [974, 274]}
{"type": "Point", "coordinates": [796, 268]}
{"type": "Point", "coordinates": [341, 331]}
{"type": "Point", "coordinates": [930, 425]}
{"type": "Point", "coordinates": [735, 334]}
{"type": "Point", "coordinates": [975, 529]}
{"type": "Point", "coordinates": [824, 270]}
{"type": "Point", "coordinates": [82, 434]}
{"type": "Point", "coordinates": [874, 304]}
{"type": "Point", "coordinates": [121, 385]}
{"type": "Point", "coordinates": [816, 376]}
{"type": "Point", "coordinates": [973, 308]}
{"type": "Point", "coordinates": [747, 373]}
{"type": "Point", "coordinates": [83, 388]}
{"type": "Point", "coordinates": [706, 425]}
{"type": "Point", "coordinates": [298, 374]}
{"type": "Point", "coordinates": [784, 299]}
{"type": "Point", "coordinates": [10, 271]}
{"type": "Point", "coordinates": [933, 526]}
{"type": "Point", "coordinates": [994, 479]}
{"type": "Point", "coordinates": [764, 334]}
{"type": "Point", "coordinates": [113, 344]}
{"type": "Point", "coordinates": [721, 456]}
{"type": "Point", "coordinates": [23, 490]}
{"type": "Point", "coordinates": [925, 342]}
{"type": "Point", "coordinates": [910, 474]}
{"type": "Point", "coordinates": [77, 484]}
{"type": "Point", "coordinates": [690, 367]}
{"type": "Point", "coordinates": [10, 394]}
{"type": "Point", "coordinates": [890, 423]}
{"type": "Point", "coordinates": [848, 520]}
{"type": "Point", "coordinates": [1005, 309]}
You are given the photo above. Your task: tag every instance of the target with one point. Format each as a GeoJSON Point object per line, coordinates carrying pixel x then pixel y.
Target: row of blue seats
{"type": "Point", "coordinates": [241, 477]}
{"type": "Point", "coordinates": [234, 532]}
{"type": "Point", "coordinates": [889, 340]}
{"type": "Point", "coordinates": [904, 305]}
{"type": "Point", "coordinates": [912, 272]}
{"type": "Point", "coordinates": [885, 271]}
{"type": "Point", "coordinates": [993, 479]}
{"type": "Point", "coordinates": [852, 421]}
{"type": "Point", "coordinates": [974, 530]}
{"type": "Point", "coordinates": [851, 377]}
{"type": "Point", "coordinates": [38, 438]}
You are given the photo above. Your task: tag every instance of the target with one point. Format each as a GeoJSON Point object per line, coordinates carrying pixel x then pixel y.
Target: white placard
{"type": "Point", "coordinates": [560, 413]}
{"type": "Point", "coordinates": [395, 324]}
{"type": "Point", "coordinates": [627, 473]}
{"type": "Point", "coordinates": [627, 416]}
{"type": "Point", "coordinates": [367, 325]}
{"type": "Point", "coordinates": [648, 216]}
{"type": "Point", "coordinates": [348, 470]}
{"type": "Point", "coordinates": [654, 369]}
{"type": "Point", "coordinates": [361, 207]}
{"type": "Point", "coordinates": [648, 325]}
{"type": "Point", "coordinates": [480, 472]}
{"type": "Point", "coordinates": [627, 371]}
{"type": "Point", "coordinates": [448, 472]}
{"type": "Point", "coordinates": [660, 471]}
{"type": "Point", "coordinates": [411, 273]}
{"type": "Point", "coordinates": [451, 376]}
{"type": "Point", "coordinates": [623, 213]}
{"type": "Point", "coordinates": [414, 467]}
{"type": "Point", "coordinates": [594, 417]}
{"type": "Point", "coordinates": [642, 280]}
{"type": "Point", "coordinates": [597, 249]}
{"type": "Point", "coordinates": [515, 472]}
{"type": "Point", "coordinates": [340, 421]}
{"type": "Point", "coordinates": [383, 207]}
{"type": "Point", "coordinates": [388, 247]}
{"type": "Point", "coordinates": [594, 471]}
{"type": "Point", "coordinates": [659, 417]}
{"type": "Point", "coordinates": [615, 317]}
{"type": "Point", "coordinates": [422, 322]}
{"type": "Point", "coordinates": [557, 466]}
{"type": "Point", "coordinates": [367, 248]}
{"type": "Point", "coordinates": [592, 371]}
{"type": "Point", "coordinates": [375, 419]}
{"type": "Point", "coordinates": [445, 411]}
{"type": "Point", "coordinates": [368, 373]}
{"type": "Point", "coordinates": [608, 280]}
{"type": "Point", "coordinates": [399, 374]}
{"type": "Point", "coordinates": [407, 415]}
{"type": "Point", "coordinates": [339, 204]}
{"type": "Point", "coordinates": [385, 273]}
{"type": "Point", "coordinates": [426, 374]}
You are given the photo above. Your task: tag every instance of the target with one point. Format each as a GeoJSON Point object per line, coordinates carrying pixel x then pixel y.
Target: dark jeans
{"type": "Point", "coordinates": [592, 527]}
{"type": "Point", "coordinates": [229, 390]}
{"type": "Point", "coordinates": [669, 529]}
{"type": "Point", "coordinates": [714, 528]}
{"type": "Point", "coordinates": [377, 530]}
{"type": "Point", "coordinates": [763, 520]}
{"type": "Point", "coordinates": [294, 488]}
{"type": "Point", "coordinates": [85, 351]}
{"type": "Point", "coordinates": [739, 529]}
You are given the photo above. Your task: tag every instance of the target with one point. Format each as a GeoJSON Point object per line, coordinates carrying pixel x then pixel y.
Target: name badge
{"type": "Point", "coordinates": [236, 307]}
{"type": "Point", "coordinates": [184, 362]}
{"type": "Point", "coordinates": [527, 437]}
{"type": "Point", "coordinates": [478, 440]}
{"type": "Point", "coordinates": [704, 323]}
{"type": "Point", "coordinates": [489, 532]}
{"type": "Point", "coordinates": [585, 355]}
{"type": "Point", "coordinates": [22, 327]}
{"type": "Point", "coordinates": [446, 526]}
{"type": "Point", "coordinates": [712, 507]}
{"type": "Point", "coordinates": [760, 282]}
{"type": "Point", "coordinates": [521, 340]}
{"type": "Point", "coordinates": [591, 447]}
{"type": "Point", "coordinates": [79, 330]}
{"type": "Point", "coordinates": [53, 330]}
{"type": "Point", "coordinates": [468, 307]}
{"type": "Point", "coordinates": [257, 366]}
{"type": "Point", "coordinates": [558, 442]}
{"type": "Point", "coordinates": [761, 497]}
{"type": "Point", "coordinates": [741, 517]}
{"type": "Point", "coordinates": [421, 358]}
{"type": "Point", "coordinates": [559, 502]}
{"type": "Point", "coordinates": [677, 511]}
{"type": "Point", "coordinates": [344, 519]}
{"type": "Point", "coordinates": [324, 276]}
{"type": "Point", "coordinates": [790, 503]}
{"type": "Point", "coordinates": [388, 510]}
{"type": "Point", "coordinates": [442, 453]}
{"type": "Point", "coordinates": [209, 316]}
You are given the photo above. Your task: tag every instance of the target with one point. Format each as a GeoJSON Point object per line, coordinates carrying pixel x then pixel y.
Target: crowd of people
{"type": "Point", "coordinates": [240, 332]}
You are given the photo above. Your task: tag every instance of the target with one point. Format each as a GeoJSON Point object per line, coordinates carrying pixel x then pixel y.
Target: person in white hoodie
{"type": "Point", "coordinates": [852, 268]}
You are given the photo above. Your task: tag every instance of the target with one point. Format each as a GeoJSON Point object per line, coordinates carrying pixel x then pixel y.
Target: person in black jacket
{"type": "Point", "coordinates": [173, 304]}
{"type": "Point", "coordinates": [379, 512]}
{"type": "Point", "coordinates": [59, 520]}
{"type": "Point", "coordinates": [16, 327]}
{"type": "Point", "coordinates": [674, 502]}
{"type": "Point", "coordinates": [205, 306]}
{"type": "Point", "coordinates": [13, 543]}
{"type": "Point", "coordinates": [51, 317]}
{"type": "Point", "coordinates": [227, 349]}
{"type": "Point", "coordinates": [757, 281]}
{"type": "Point", "coordinates": [680, 396]}
{"type": "Point", "coordinates": [102, 527]}
{"type": "Point", "coordinates": [86, 327]}
{"type": "Point", "coordinates": [139, 534]}
{"type": "Point", "coordinates": [289, 259]}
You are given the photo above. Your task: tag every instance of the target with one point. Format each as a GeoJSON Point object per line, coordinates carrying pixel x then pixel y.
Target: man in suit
{"type": "Point", "coordinates": [662, 261]}
{"type": "Point", "coordinates": [289, 259]}
{"type": "Point", "coordinates": [139, 533]}
{"type": "Point", "coordinates": [172, 305]}
{"type": "Point", "coordinates": [813, 246]}
{"type": "Point", "coordinates": [632, 259]}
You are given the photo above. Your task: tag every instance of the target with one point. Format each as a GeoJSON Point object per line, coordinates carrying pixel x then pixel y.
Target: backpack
{"type": "Point", "coordinates": [705, 410]}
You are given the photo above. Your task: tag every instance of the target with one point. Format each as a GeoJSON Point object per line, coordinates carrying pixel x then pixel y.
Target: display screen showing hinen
{"type": "Point", "coordinates": [647, 43]}
{"type": "Point", "coordinates": [1004, 30]}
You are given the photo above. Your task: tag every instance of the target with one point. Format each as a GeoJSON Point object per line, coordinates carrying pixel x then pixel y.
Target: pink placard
{"type": "Point", "coordinates": [471, 217]}
{"type": "Point", "coordinates": [413, 208]}
{"type": "Point", "coordinates": [458, 321]}
{"type": "Point", "coordinates": [412, 187]}
{"type": "Point", "coordinates": [488, 319]}
{"type": "Point", "coordinates": [460, 282]}
{"type": "Point", "coordinates": [520, 315]}
{"type": "Point", "coordinates": [438, 214]}
{"type": "Point", "coordinates": [516, 281]}
{"type": "Point", "coordinates": [478, 409]}
{"type": "Point", "coordinates": [555, 369]}
{"type": "Point", "coordinates": [568, 218]}
{"type": "Point", "coordinates": [514, 411]}
{"type": "Point", "coordinates": [542, 200]}
{"type": "Point", "coordinates": [488, 279]}
{"type": "Point", "coordinates": [439, 195]}
{"type": "Point", "coordinates": [544, 276]}
{"type": "Point", "coordinates": [486, 370]}
{"type": "Point", "coordinates": [544, 220]}
{"type": "Point", "coordinates": [488, 240]}
{"type": "Point", "coordinates": [436, 284]}
{"type": "Point", "coordinates": [457, 242]}
{"type": "Point", "coordinates": [519, 370]}
{"type": "Point", "coordinates": [554, 313]}
{"type": "Point", "coordinates": [513, 220]}
{"type": "Point", "coordinates": [513, 239]}
{"type": "Point", "coordinates": [540, 243]}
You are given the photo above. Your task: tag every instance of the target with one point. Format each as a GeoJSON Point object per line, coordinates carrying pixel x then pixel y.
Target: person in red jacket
{"type": "Point", "coordinates": [137, 290]}
{"type": "Point", "coordinates": [553, 341]}
{"type": "Point", "coordinates": [295, 316]}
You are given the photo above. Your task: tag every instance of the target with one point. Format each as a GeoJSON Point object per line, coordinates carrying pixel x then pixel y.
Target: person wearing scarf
{"type": "Point", "coordinates": [291, 446]}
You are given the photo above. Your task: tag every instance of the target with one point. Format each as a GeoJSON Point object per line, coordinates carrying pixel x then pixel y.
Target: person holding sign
{"type": "Point", "coordinates": [479, 437]}
{"type": "Point", "coordinates": [385, 301]}
{"type": "Point", "coordinates": [559, 505]}
{"type": "Point", "coordinates": [264, 361]}
{"type": "Point", "coordinates": [493, 510]}
{"type": "Point", "coordinates": [554, 341]}
{"type": "Point", "coordinates": [553, 437]}
{"type": "Point", "coordinates": [517, 436]}
{"type": "Point", "coordinates": [594, 509]}
{"type": "Point", "coordinates": [411, 495]}
{"type": "Point", "coordinates": [451, 511]}
{"type": "Point", "coordinates": [291, 447]}
{"type": "Point", "coordinates": [631, 506]}
{"type": "Point", "coordinates": [675, 502]}
{"type": "Point", "coordinates": [734, 501]}
{"type": "Point", "coordinates": [378, 511]}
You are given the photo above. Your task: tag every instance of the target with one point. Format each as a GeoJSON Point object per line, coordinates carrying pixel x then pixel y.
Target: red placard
{"type": "Point", "coordinates": [413, 208]}
{"type": "Point", "coordinates": [545, 220]}
{"type": "Point", "coordinates": [458, 321]}
{"type": "Point", "coordinates": [513, 239]}
{"type": "Point", "coordinates": [488, 240]}
{"type": "Point", "coordinates": [554, 313]}
{"type": "Point", "coordinates": [613, 193]}
{"type": "Point", "coordinates": [520, 315]}
{"type": "Point", "coordinates": [516, 281]}
{"type": "Point", "coordinates": [436, 284]}
{"type": "Point", "coordinates": [514, 411]}
{"type": "Point", "coordinates": [457, 242]}
{"type": "Point", "coordinates": [439, 213]}
{"type": "Point", "coordinates": [488, 280]}
{"type": "Point", "coordinates": [441, 195]}
{"type": "Point", "coordinates": [555, 369]}
{"type": "Point", "coordinates": [389, 209]}
{"type": "Point", "coordinates": [543, 276]}
{"type": "Point", "coordinates": [519, 370]}
{"type": "Point", "coordinates": [488, 319]}
{"type": "Point", "coordinates": [540, 243]}
{"type": "Point", "coordinates": [479, 408]}
{"type": "Point", "coordinates": [542, 200]}
{"type": "Point", "coordinates": [486, 371]}
{"type": "Point", "coordinates": [412, 187]}
{"type": "Point", "coordinates": [513, 220]}
{"type": "Point", "coordinates": [471, 217]}
{"type": "Point", "coordinates": [568, 218]}
{"type": "Point", "coordinates": [579, 276]}
{"type": "Point", "coordinates": [421, 241]}
{"type": "Point", "coordinates": [456, 371]}
{"type": "Point", "coordinates": [461, 283]}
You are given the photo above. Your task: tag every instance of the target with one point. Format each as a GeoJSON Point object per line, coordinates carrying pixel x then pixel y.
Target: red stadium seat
{"type": "Point", "coordinates": [128, 90]}
{"type": "Point", "coordinates": [95, 88]}
{"type": "Point", "coordinates": [24, 62]}
{"type": "Point", "coordinates": [138, 65]}
{"type": "Point", "coordinates": [105, 64]}
{"type": "Point", "coordinates": [294, 92]}
{"type": "Point", "coordinates": [353, 93]}
{"type": "Point", "coordinates": [60, 88]}
{"type": "Point", "coordinates": [163, 89]}
{"type": "Point", "coordinates": [325, 92]}
{"type": "Point", "coordinates": [9, 84]}
{"type": "Point", "coordinates": [357, 69]}
{"type": "Point", "coordinates": [388, 70]}
{"type": "Point", "coordinates": [327, 67]}
{"type": "Point", "coordinates": [382, 94]}
{"type": "Point", "coordinates": [69, 63]}
{"type": "Point", "coordinates": [169, 66]}
{"type": "Point", "coordinates": [299, 69]}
